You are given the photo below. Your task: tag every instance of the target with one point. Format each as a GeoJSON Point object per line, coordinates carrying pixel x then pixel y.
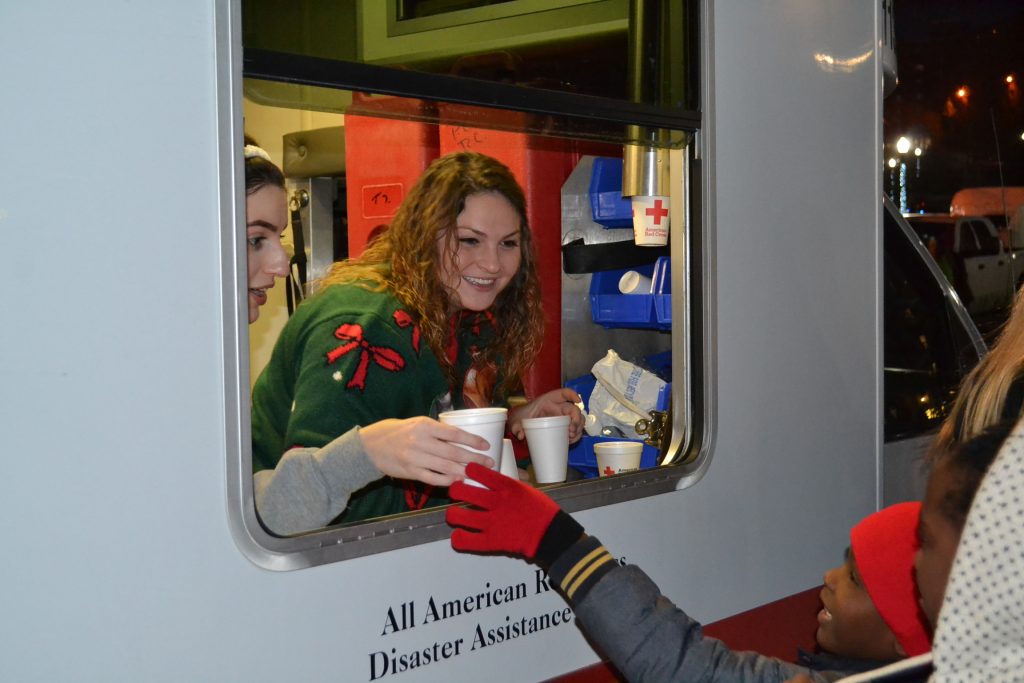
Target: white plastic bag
{"type": "Point", "coordinates": [624, 393]}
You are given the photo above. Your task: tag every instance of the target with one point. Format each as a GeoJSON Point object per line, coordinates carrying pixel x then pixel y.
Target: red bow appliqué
{"type": "Point", "coordinates": [352, 334]}
{"type": "Point", "coordinates": [403, 320]}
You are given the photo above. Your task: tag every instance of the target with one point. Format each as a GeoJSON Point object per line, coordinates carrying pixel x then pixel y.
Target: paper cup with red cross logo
{"type": "Point", "coordinates": [616, 457]}
{"type": "Point", "coordinates": [650, 221]}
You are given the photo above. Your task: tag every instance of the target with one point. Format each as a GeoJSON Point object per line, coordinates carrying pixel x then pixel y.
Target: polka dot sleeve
{"type": "Point", "coordinates": [980, 634]}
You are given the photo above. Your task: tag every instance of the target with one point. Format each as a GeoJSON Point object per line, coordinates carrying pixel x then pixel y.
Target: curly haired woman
{"type": "Point", "coordinates": [441, 311]}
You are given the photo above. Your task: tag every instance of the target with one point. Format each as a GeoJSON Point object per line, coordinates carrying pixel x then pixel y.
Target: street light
{"type": "Point", "coordinates": [898, 172]}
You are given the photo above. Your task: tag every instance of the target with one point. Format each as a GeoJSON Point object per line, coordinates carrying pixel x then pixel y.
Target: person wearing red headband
{"type": "Point", "coordinates": [978, 631]}
{"type": "Point", "coordinates": [870, 612]}
{"type": "Point", "coordinates": [869, 604]}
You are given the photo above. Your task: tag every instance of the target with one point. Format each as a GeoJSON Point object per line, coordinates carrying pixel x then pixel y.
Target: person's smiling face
{"type": "Point", "coordinates": [487, 254]}
{"type": "Point", "coordinates": [848, 623]}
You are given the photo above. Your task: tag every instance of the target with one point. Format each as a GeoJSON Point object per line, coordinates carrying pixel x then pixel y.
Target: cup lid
{"type": "Point", "coordinates": [469, 412]}
{"type": "Point", "coordinates": [474, 416]}
{"type": "Point", "coordinates": [551, 421]}
{"type": "Point", "coordinates": [618, 445]}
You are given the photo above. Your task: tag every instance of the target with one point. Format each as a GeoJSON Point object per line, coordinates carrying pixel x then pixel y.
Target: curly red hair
{"type": "Point", "coordinates": [404, 260]}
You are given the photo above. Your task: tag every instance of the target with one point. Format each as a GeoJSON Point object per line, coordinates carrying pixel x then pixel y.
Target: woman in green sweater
{"type": "Point", "coordinates": [441, 311]}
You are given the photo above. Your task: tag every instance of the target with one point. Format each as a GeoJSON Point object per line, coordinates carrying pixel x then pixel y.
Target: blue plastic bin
{"type": "Point", "coordinates": [583, 459]}
{"type": "Point", "coordinates": [607, 204]}
{"type": "Point", "coordinates": [662, 287]}
{"type": "Point", "coordinates": [581, 454]}
{"type": "Point", "coordinates": [611, 308]}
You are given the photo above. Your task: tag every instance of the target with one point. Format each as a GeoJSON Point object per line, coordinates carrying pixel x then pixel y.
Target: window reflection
{"type": "Point", "coordinates": [920, 351]}
{"type": "Point", "coordinates": [591, 47]}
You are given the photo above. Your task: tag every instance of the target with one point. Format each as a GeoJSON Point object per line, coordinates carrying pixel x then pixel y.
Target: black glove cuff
{"type": "Point", "coordinates": [562, 533]}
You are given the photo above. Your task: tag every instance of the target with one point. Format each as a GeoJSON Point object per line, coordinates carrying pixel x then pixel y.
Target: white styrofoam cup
{"type": "Point", "coordinates": [508, 460]}
{"type": "Point", "coordinates": [548, 439]}
{"type": "Point", "coordinates": [486, 422]}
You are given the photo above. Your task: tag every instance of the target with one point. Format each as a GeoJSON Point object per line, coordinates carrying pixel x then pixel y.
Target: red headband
{"type": "Point", "coordinates": [884, 545]}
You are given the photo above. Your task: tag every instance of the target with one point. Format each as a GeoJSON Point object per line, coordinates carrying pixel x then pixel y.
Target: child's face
{"type": "Point", "coordinates": [939, 538]}
{"type": "Point", "coordinates": [848, 624]}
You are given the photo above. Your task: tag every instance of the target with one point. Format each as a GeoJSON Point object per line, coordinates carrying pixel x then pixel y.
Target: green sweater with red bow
{"type": "Point", "coordinates": [349, 357]}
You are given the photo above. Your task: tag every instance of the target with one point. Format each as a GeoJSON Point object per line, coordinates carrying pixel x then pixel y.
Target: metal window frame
{"type": "Point", "coordinates": [283, 67]}
{"type": "Point", "coordinates": [691, 420]}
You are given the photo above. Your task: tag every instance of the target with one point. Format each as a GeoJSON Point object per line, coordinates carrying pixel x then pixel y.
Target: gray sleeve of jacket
{"type": "Point", "coordinates": [649, 639]}
{"type": "Point", "coordinates": [311, 486]}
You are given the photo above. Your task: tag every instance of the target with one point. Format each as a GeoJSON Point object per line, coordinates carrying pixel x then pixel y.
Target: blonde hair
{"type": "Point", "coordinates": [982, 395]}
{"type": "Point", "coordinates": [404, 260]}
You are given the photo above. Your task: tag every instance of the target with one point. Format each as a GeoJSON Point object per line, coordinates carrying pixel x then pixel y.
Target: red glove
{"type": "Point", "coordinates": [512, 518]}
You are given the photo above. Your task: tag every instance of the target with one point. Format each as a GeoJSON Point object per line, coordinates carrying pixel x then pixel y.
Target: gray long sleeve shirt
{"type": "Point", "coordinates": [645, 635]}
{"type": "Point", "coordinates": [311, 486]}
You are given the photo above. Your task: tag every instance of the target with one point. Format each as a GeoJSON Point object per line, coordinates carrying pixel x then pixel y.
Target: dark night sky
{"type": "Point", "coordinates": [940, 46]}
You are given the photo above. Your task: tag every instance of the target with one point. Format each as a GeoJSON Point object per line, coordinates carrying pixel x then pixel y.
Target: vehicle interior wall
{"type": "Point", "coordinates": [118, 397]}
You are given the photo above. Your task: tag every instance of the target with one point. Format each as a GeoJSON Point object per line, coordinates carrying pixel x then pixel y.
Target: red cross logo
{"type": "Point", "coordinates": [608, 471]}
{"type": "Point", "coordinates": [658, 211]}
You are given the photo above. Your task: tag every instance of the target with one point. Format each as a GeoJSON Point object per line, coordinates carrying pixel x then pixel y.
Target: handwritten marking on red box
{"type": "Point", "coordinates": [466, 137]}
{"type": "Point", "coordinates": [381, 201]}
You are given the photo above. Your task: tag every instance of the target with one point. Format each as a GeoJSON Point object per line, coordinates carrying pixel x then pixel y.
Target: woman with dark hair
{"type": "Point", "coordinates": [266, 217]}
{"type": "Point", "coordinates": [441, 311]}
{"type": "Point", "coordinates": [952, 487]}
{"type": "Point", "coordinates": [980, 631]}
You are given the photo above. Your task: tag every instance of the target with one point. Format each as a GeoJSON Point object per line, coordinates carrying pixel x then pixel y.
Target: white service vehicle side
{"type": "Point", "coordinates": [120, 174]}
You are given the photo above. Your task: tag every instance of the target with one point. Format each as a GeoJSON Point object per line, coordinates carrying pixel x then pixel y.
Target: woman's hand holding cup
{"type": "Point", "coordinates": [423, 449]}
{"type": "Point", "coordinates": [561, 401]}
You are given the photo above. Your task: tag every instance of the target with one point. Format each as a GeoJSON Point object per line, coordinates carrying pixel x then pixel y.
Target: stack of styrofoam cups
{"type": "Point", "coordinates": [486, 422]}
{"type": "Point", "coordinates": [508, 460]}
{"type": "Point", "coordinates": [633, 282]}
{"type": "Point", "coordinates": [548, 439]}
{"type": "Point", "coordinates": [617, 457]}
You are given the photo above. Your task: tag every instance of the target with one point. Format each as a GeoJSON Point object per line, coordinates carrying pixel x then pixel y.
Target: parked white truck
{"type": "Point", "coordinates": [982, 267]}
